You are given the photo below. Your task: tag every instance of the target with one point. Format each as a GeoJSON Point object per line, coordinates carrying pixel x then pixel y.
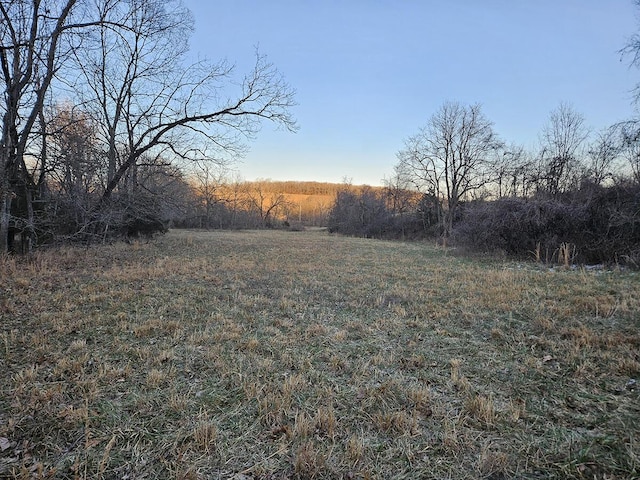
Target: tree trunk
{"type": "Point", "coordinates": [28, 236]}
{"type": "Point", "coordinates": [5, 205]}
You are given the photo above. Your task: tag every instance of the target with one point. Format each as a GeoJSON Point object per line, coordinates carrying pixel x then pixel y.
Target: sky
{"type": "Point", "coordinates": [370, 73]}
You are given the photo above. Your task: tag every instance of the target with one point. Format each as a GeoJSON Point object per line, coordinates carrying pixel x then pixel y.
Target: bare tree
{"type": "Point", "coordinates": [209, 182]}
{"type": "Point", "coordinates": [451, 157]}
{"type": "Point", "coordinates": [73, 167]}
{"type": "Point", "coordinates": [30, 56]}
{"type": "Point", "coordinates": [630, 130]}
{"type": "Point", "coordinates": [399, 192]}
{"type": "Point", "coordinates": [401, 198]}
{"type": "Point", "coordinates": [632, 51]}
{"type": "Point", "coordinates": [562, 140]}
{"type": "Point", "coordinates": [418, 167]}
{"type": "Point", "coordinates": [602, 155]}
{"type": "Point", "coordinates": [151, 104]}
{"type": "Point", "coordinates": [265, 202]}
{"type": "Point", "coordinates": [514, 172]}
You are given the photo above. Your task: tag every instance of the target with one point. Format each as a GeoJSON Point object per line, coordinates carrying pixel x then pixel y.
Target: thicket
{"type": "Point", "coordinates": [372, 213]}
{"type": "Point", "coordinates": [593, 224]}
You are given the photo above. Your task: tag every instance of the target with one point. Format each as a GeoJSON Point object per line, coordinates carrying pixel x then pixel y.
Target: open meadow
{"type": "Point", "coordinates": [274, 354]}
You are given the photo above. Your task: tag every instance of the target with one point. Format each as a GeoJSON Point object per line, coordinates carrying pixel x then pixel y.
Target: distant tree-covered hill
{"type": "Point", "coordinates": [218, 203]}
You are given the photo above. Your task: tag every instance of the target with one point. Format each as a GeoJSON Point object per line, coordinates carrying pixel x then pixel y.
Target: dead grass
{"type": "Point", "coordinates": [303, 355]}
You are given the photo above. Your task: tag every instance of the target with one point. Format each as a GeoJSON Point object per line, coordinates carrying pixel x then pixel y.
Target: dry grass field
{"type": "Point", "coordinates": [280, 355]}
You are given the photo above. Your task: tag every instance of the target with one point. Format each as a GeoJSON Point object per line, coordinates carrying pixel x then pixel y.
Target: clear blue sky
{"type": "Point", "coordinates": [368, 74]}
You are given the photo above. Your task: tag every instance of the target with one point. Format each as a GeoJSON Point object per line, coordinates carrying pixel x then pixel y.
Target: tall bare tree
{"type": "Point", "coordinates": [72, 166]}
{"type": "Point", "coordinates": [451, 157]}
{"type": "Point", "coordinates": [31, 34]}
{"type": "Point", "coordinates": [563, 138]}
{"type": "Point", "coordinates": [151, 104]}
{"type": "Point", "coordinates": [632, 51]}
{"type": "Point", "coordinates": [208, 183]}
{"type": "Point", "coordinates": [630, 130]}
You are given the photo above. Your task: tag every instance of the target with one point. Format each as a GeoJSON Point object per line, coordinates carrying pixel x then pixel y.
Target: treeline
{"type": "Point", "coordinates": [594, 224]}
{"type": "Point", "coordinates": [217, 202]}
{"type": "Point", "coordinates": [576, 199]}
{"type": "Point", "coordinates": [304, 188]}
{"type": "Point", "coordinates": [103, 120]}
{"type": "Point", "coordinates": [155, 196]}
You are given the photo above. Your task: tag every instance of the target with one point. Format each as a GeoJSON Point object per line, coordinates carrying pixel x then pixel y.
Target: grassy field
{"type": "Point", "coordinates": [303, 355]}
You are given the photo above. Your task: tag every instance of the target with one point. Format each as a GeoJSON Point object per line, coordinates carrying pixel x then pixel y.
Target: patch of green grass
{"type": "Point", "coordinates": [304, 355]}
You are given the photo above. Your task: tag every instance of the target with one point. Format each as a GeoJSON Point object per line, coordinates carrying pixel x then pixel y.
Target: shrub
{"type": "Point", "coordinates": [602, 223]}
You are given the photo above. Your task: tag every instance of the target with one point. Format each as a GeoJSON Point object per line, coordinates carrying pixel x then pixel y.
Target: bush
{"type": "Point", "coordinates": [602, 223]}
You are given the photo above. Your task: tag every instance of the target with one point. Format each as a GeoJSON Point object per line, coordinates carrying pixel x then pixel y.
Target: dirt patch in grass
{"type": "Point", "coordinates": [304, 355]}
